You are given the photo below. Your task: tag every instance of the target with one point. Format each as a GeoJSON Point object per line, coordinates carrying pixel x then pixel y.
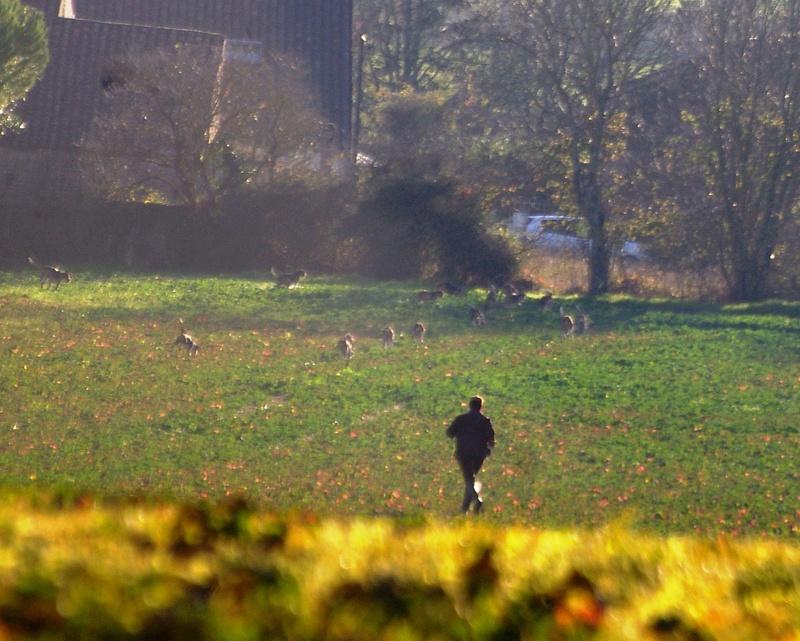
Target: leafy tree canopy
{"type": "Point", "coordinates": [23, 56]}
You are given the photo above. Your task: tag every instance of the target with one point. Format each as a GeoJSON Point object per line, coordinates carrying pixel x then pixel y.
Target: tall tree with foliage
{"type": "Point", "coordinates": [23, 56]}
{"type": "Point", "coordinates": [563, 68]}
{"type": "Point", "coordinates": [405, 42]}
{"type": "Point", "coordinates": [416, 217]}
{"type": "Point", "coordinates": [403, 49]}
{"type": "Point", "coordinates": [737, 156]}
{"type": "Point", "coordinates": [415, 220]}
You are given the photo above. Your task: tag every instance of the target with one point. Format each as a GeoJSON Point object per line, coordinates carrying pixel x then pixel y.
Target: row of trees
{"type": "Point", "coordinates": [675, 123]}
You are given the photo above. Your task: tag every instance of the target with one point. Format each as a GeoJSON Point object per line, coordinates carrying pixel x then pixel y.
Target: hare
{"type": "Point", "coordinates": [418, 332]}
{"type": "Point", "coordinates": [347, 346]}
{"type": "Point", "coordinates": [567, 323]}
{"type": "Point", "coordinates": [581, 322]}
{"type": "Point", "coordinates": [186, 341]}
{"type": "Point", "coordinates": [387, 337]}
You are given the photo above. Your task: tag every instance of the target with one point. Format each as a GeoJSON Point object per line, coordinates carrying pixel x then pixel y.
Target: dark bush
{"type": "Point", "coordinates": [407, 229]}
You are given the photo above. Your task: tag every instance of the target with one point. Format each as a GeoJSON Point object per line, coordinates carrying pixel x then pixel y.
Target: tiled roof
{"type": "Point", "coordinates": [242, 19]}
{"type": "Point", "coordinates": [59, 108]}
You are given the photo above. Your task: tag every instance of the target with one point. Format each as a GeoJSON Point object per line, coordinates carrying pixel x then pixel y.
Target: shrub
{"type": "Point", "coordinates": [413, 228]}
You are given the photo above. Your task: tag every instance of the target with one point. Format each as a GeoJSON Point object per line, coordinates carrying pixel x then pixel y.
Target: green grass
{"type": "Point", "coordinates": [668, 416]}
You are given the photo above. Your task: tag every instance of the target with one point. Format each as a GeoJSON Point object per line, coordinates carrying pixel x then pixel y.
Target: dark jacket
{"type": "Point", "coordinates": [473, 433]}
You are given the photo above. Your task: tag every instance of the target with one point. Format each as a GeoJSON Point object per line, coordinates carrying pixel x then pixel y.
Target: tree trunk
{"type": "Point", "coordinates": [750, 273]}
{"type": "Point", "coordinates": [591, 208]}
{"type": "Point", "coordinates": [750, 249]}
{"type": "Point", "coordinates": [599, 266]}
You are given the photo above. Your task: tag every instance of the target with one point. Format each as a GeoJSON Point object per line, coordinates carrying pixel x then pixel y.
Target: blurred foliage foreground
{"type": "Point", "coordinates": [77, 568]}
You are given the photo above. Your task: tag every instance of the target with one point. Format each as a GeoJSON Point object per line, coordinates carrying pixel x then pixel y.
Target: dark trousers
{"type": "Point", "coordinates": [470, 466]}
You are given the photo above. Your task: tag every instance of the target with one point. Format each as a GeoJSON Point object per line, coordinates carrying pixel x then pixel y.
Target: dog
{"type": "Point", "coordinates": [347, 346]}
{"type": "Point", "coordinates": [49, 274]}
{"type": "Point", "coordinates": [288, 279]}
{"type": "Point", "coordinates": [387, 337]}
{"type": "Point", "coordinates": [418, 333]}
{"type": "Point", "coordinates": [430, 295]}
{"type": "Point", "coordinates": [186, 341]}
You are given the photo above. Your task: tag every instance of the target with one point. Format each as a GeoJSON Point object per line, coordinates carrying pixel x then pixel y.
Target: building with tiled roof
{"type": "Point", "coordinates": [86, 35]}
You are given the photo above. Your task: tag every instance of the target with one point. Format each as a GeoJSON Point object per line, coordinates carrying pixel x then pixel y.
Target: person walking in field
{"type": "Point", "coordinates": [474, 436]}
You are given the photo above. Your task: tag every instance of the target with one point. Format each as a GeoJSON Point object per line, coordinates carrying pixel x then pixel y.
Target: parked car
{"type": "Point", "coordinates": [571, 233]}
{"type": "Point", "coordinates": [554, 231]}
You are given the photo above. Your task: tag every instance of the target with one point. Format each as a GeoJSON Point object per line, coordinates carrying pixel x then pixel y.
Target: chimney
{"type": "Point", "coordinates": [66, 10]}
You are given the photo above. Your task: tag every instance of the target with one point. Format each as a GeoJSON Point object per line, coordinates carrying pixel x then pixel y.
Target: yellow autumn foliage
{"type": "Point", "coordinates": [73, 567]}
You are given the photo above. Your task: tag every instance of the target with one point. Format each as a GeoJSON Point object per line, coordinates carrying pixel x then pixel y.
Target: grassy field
{"type": "Point", "coordinates": [670, 417]}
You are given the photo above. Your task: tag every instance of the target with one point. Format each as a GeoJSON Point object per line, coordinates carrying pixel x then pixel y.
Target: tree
{"type": "Point", "coordinates": [562, 68]}
{"type": "Point", "coordinates": [403, 47]}
{"type": "Point", "coordinates": [412, 227]}
{"type": "Point", "coordinates": [23, 56]}
{"type": "Point", "coordinates": [740, 141]}
{"type": "Point", "coordinates": [417, 217]}
{"type": "Point", "coordinates": [185, 126]}
{"type": "Point", "coordinates": [405, 41]}
{"type": "Point", "coordinates": [415, 220]}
